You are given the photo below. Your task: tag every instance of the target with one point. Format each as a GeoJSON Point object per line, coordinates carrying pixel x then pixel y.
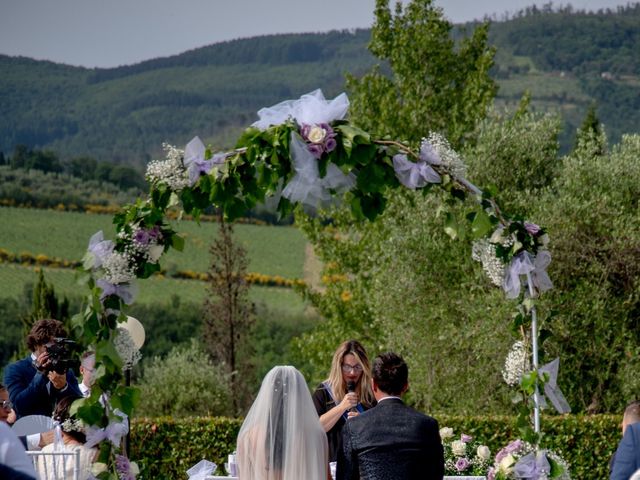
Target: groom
{"type": "Point", "coordinates": [391, 441]}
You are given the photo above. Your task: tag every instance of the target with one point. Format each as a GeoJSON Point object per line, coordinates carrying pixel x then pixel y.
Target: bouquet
{"type": "Point", "coordinates": [463, 456]}
{"type": "Point", "coordinates": [522, 460]}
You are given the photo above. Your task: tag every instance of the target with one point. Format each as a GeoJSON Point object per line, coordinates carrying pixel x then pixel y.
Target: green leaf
{"type": "Point", "coordinates": [125, 399]}
{"type": "Point", "coordinates": [107, 350]}
{"type": "Point", "coordinates": [351, 136]}
{"type": "Point", "coordinates": [529, 381]}
{"type": "Point", "coordinates": [177, 242]}
{"type": "Point", "coordinates": [91, 413]}
{"type": "Point", "coordinates": [481, 225]}
{"type": "Point", "coordinates": [451, 226]}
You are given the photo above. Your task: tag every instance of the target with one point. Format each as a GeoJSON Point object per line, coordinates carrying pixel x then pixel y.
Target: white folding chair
{"type": "Point", "coordinates": [64, 465]}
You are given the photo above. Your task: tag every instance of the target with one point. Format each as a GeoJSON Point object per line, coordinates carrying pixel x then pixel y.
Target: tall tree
{"type": "Point", "coordinates": [228, 313]}
{"type": "Point", "coordinates": [591, 133]}
{"type": "Point", "coordinates": [45, 304]}
{"type": "Point", "coordinates": [435, 84]}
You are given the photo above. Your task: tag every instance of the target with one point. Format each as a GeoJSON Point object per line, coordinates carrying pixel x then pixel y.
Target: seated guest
{"type": "Point", "coordinates": [6, 408]}
{"type": "Point", "coordinates": [73, 439]}
{"type": "Point", "coordinates": [34, 386]}
{"type": "Point", "coordinates": [14, 463]}
{"type": "Point", "coordinates": [7, 415]}
{"type": "Point", "coordinates": [391, 441]}
{"type": "Point", "coordinates": [627, 457]}
{"type": "Point", "coordinates": [281, 438]}
{"type": "Point", "coordinates": [87, 367]}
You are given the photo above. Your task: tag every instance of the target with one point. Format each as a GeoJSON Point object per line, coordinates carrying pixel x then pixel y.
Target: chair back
{"type": "Point", "coordinates": [63, 465]}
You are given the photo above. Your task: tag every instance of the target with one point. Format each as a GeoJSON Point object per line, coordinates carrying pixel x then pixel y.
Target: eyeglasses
{"type": "Point", "coordinates": [346, 368]}
{"type": "Point", "coordinates": [7, 405]}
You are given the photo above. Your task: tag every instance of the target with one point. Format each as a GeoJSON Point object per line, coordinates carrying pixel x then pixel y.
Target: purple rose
{"type": "Point", "coordinates": [532, 228]}
{"type": "Point", "coordinates": [142, 237]}
{"type": "Point", "coordinates": [316, 149]}
{"type": "Point", "coordinates": [330, 144]}
{"type": "Point", "coordinates": [304, 131]}
{"type": "Point", "coordinates": [462, 464]}
{"type": "Point", "coordinates": [154, 233]}
{"type": "Point", "coordinates": [466, 438]}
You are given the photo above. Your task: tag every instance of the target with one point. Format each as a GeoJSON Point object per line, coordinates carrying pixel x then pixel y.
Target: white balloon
{"type": "Point", "coordinates": [135, 329]}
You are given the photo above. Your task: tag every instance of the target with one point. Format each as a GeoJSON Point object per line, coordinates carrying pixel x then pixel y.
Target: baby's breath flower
{"type": "Point", "coordinates": [516, 364]}
{"type": "Point", "coordinates": [127, 350]}
{"type": "Point", "coordinates": [119, 268]}
{"type": "Point", "coordinates": [447, 155]}
{"type": "Point", "coordinates": [170, 171]}
{"type": "Point", "coordinates": [485, 252]}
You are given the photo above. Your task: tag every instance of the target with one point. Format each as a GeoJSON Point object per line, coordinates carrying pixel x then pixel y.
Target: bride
{"type": "Point", "coordinates": [281, 437]}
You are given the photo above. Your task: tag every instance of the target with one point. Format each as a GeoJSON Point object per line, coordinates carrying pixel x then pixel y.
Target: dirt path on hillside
{"type": "Point", "coordinates": [312, 268]}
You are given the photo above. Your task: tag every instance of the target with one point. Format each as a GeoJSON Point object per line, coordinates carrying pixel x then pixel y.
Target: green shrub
{"type": "Point", "coordinates": [166, 448]}
{"type": "Point", "coordinates": [186, 383]}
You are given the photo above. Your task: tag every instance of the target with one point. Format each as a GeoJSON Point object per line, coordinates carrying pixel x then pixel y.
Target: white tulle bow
{"type": "Point", "coordinates": [525, 263]}
{"type": "Point", "coordinates": [306, 186]}
{"type": "Point", "coordinates": [310, 109]}
{"type": "Point", "coordinates": [201, 470]}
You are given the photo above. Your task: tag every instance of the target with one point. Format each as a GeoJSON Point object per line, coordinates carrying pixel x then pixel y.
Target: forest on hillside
{"type": "Point", "coordinates": [568, 59]}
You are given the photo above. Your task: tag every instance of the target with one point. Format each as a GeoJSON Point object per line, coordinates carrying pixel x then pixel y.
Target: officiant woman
{"type": "Point", "coordinates": [346, 393]}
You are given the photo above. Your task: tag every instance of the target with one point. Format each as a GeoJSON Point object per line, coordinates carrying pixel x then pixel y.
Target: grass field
{"type": "Point", "coordinates": [272, 250]}
{"type": "Point", "coordinates": [13, 279]}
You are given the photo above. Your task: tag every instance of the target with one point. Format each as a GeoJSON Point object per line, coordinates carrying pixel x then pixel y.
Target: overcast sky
{"type": "Point", "coordinates": [108, 33]}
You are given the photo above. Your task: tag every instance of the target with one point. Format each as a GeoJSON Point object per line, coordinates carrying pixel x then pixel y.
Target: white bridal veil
{"type": "Point", "coordinates": [281, 437]}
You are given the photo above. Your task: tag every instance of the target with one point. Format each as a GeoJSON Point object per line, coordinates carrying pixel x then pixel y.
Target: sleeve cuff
{"type": "Point", "coordinates": [33, 442]}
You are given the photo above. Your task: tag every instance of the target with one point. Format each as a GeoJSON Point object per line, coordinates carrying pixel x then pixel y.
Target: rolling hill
{"type": "Point", "coordinates": [567, 59]}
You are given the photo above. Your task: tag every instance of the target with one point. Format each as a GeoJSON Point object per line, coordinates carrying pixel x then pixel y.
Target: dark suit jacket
{"type": "Point", "coordinates": [627, 456]}
{"type": "Point", "coordinates": [391, 442]}
{"type": "Point", "coordinates": [28, 389]}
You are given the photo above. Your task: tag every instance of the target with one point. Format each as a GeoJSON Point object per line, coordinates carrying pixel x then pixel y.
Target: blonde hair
{"type": "Point", "coordinates": [336, 379]}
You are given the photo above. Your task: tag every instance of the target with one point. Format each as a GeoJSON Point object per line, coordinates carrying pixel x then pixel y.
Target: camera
{"type": "Point", "coordinates": [61, 358]}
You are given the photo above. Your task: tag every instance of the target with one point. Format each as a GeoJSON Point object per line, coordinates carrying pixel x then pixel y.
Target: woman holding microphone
{"type": "Point", "coordinates": [347, 392]}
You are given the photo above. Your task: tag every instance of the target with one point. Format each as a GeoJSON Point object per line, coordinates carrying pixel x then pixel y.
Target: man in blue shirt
{"type": "Point", "coordinates": [34, 385]}
{"type": "Point", "coordinates": [627, 456]}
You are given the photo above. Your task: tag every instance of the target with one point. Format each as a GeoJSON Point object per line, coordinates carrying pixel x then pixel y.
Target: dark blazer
{"type": "Point", "coordinates": [28, 389]}
{"type": "Point", "coordinates": [627, 456]}
{"type": "Point", "coordinates": [391, 442]}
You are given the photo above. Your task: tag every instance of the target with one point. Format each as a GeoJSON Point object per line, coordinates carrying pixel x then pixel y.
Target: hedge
{"type": "Point", "coordinates": [166, 448]}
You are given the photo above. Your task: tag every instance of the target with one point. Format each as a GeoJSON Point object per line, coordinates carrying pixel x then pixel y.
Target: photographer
{"type": "Point", "coordinates": [38, 382]}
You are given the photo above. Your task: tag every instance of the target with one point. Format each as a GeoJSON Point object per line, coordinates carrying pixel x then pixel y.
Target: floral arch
{"type": "Point", "coordinates": [306, 152]}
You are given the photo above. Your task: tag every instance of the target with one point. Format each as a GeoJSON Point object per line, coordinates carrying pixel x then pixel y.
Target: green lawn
{"type": "Point", "coordinates": [272, 250]}
{"type": "Point", "coordinates": [13, 279]}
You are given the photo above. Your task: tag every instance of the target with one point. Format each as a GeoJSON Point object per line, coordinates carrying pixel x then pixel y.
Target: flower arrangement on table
{"type": "Point", "coordinates": [463, 456]}
{"type": "Point", "coordinates": [522, 460]}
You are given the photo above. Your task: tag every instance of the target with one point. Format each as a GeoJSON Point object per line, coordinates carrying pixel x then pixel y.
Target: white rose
{"type": "Point", "coordinates": [134, 469]}
{"type": "Point", "coordinates": [317, 134]}
{"type": "Point", "coordinates": [459, 448]}
{"type": "Point", "coordinates": [155, 252]}
{"type": "Point", "coordinates": [446, 432]}
{"type": "Point", "coordinates": [506, 464]}
{"type": "Point", "coordinates": [483, 452]}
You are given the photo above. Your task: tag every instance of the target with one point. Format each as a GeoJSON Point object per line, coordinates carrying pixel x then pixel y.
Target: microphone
{"type": "Point", "coordinates": [351, 387]}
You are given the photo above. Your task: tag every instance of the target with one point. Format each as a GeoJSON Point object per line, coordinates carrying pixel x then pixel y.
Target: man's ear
{"type": "Point", "coordinates": [405, 389]}
{"type": "Point", "coordinates": [374, 385]}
